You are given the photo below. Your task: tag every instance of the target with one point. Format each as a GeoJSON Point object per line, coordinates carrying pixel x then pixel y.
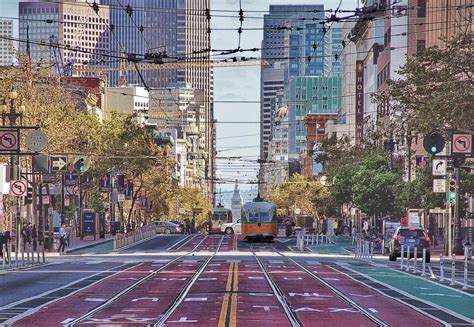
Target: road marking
{"type": "Point", "coordinates": [67, 320]}
{"type": "Point", "coordinates": [260, 294]}
{"type": "Point", "coordinates": [373, 310]}
{"type": "Point", "coordinates": [306, 309]}
{"type": "Point", "coordinates": [94, 299]}
{"type": "Point", "coordinates": [308, 295]}
{"type": "Point", "coordinates": [255, 277]}
{"type": "Point", "coordinates": [152, 299]}
{"type": "Point", "coordinates": [361, 295]}
{"type": "Point", "coordinates": [265, 307]}
{"type": "Point", "coordinates": [352, 310]}
{"type": "Point", "coordinates": [183, 319]}
{"type": "Point", "coordinates": [207, 278]}
{"type": "Point", "coordinates": [195, 299]}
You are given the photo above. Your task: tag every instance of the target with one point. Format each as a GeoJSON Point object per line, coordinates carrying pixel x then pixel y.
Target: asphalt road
{"type": "Point", "coordinates": [229, 283]}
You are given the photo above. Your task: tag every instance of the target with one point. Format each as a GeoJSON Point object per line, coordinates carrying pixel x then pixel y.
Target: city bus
{"type": "Point", "coordinates": [218, 216]}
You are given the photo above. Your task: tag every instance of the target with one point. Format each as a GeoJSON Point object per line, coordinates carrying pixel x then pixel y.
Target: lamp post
{"type": "Point", "coordinates": [9, 112]}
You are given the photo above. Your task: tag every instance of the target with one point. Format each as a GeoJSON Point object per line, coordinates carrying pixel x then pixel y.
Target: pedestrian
{"type": "Point", "coordinates": [24, 235]}
{"type": "Point", "coordinates": [62, 239]}
{"type": "Point", "coordinates": [68, 235]}
{"type": "Point", "coordinates": [188, 226]}
{"type": "Point", "coordinates": [5, 239]}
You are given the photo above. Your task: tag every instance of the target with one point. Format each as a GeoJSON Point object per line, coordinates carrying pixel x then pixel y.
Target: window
{"type": "Point", "coordinates": [421, 8]}
{"type": "Point", "coordinates": [420, 45]}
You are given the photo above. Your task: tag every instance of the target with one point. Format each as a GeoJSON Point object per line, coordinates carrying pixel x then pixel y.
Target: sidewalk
{"type": "Point", "coordinates": [78, 245]}
{"type": "Point", "coordinates": [342, 245]}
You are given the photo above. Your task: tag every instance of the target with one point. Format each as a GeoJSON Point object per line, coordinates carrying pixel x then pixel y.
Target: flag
{"type": "Point", "coordinates": [28, 54]}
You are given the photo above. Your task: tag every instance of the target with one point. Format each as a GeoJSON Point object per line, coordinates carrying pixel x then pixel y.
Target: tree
{"type": "Point", "coordinates": [437, 88]}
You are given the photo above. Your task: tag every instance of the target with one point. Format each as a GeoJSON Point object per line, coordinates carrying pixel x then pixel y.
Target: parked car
{"type": "Point", "coordinates": [410, 237]}
{"type": "Point", "coordinates": [166, 227]}
{"type": "Point", "coordinates": [231, 228]}
{"type": "Point", "coordinates": [178, 223]}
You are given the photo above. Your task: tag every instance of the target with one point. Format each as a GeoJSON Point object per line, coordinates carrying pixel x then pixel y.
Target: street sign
{"type": "Point", "coordinates": [36, 140]}
{"type": "Point", "coordinates": [58, 163]}
{"type": "Point", "coordinates": [49, 178]}
{"type": "Point", "coordinates": [105, 183]}
{"type": "Point", "coordinates": [9, 140]}
{"type": "Point", "coordinates": [40, 164]}
{"type": "Point", "coordinates": [121, 197]}
{"type": "Point", "coordinates": [462, 143]}
{"type": "Point", "coordinates": [18, 188]}
{"type": "Point", "coordinates": [439, 167]}
{"type": "Point", "coordinates": [439, 185]}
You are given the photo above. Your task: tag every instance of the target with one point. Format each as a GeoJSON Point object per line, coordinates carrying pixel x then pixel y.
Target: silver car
{"type": "Point", "coordinates": [165, 227]}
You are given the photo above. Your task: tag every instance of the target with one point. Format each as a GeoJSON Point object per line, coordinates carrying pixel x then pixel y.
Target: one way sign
{"type": "Point", "coordinates": [58, 163]}
{"type": "Point", "coordinates": [439, 167]}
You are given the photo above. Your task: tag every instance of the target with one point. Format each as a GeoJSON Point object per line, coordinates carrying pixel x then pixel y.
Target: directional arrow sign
{"type": "Point", "coordinates": [439, 167]}
{"type": "Point", "coordinates": [59, 163]}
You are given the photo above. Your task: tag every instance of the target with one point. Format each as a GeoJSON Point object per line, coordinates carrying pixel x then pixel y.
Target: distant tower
{"type": "Point", "coordinates": [237, 202]}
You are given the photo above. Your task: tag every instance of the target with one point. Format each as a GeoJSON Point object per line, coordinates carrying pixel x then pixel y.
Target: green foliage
{"type": "Point", "coordinates": [437, 89]}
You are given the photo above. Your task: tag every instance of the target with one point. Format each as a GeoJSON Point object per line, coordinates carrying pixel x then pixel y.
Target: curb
{"type": "Point", "coordinates": [88, 246]}
{"type": "Point", "coordinates": [135, 244]}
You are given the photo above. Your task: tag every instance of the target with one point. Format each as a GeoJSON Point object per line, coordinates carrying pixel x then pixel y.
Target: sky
{"type": "Point", "coordinates": [235, 84]}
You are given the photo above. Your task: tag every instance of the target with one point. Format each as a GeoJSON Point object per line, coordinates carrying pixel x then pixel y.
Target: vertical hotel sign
{"type": "Point", "coordinates": [359, 113]}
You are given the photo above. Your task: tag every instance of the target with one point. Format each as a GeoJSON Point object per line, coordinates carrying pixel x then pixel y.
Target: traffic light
{"type": "Point", "coordinates": [81, 164]}
{"type": "Point", "coordinates": [433, 142]}
{"type": "Point", "coordinates": [29, 195]}
{"type": "Point", "coordinates": [452, 191]}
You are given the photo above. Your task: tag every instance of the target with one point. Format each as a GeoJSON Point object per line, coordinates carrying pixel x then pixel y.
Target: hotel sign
{"type": "Point", "coordinates": [359, 113]}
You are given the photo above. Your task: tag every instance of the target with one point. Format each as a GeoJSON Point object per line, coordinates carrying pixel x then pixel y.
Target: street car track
{"type": "Point", "coordinates": [182, 295]}
{"type": "Point", "coordinates": [130, 288]}
{"type": "Point", "coordinates": [277, 291]}
{"type": "Point", "coordinates": [370, 316]}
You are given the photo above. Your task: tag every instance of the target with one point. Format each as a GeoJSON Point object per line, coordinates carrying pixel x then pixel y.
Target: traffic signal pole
{"type": "Point", "coordinates": [457, 246]}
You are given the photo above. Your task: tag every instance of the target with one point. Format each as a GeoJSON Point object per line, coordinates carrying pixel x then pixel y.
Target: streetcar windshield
{"type": "Point", "coordinates": [219, 217]}
{"type": "Point", "coordinates": [259, 217]}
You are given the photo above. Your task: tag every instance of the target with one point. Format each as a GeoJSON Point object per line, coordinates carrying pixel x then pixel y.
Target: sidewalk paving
{"type": "Point", "coordinates": [342, 245]}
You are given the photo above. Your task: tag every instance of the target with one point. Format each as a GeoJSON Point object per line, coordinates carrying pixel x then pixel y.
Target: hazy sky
{"type": "Point", "coordinates": [234, 83]}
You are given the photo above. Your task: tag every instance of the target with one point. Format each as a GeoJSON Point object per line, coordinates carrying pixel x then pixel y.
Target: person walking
{"type": "Point", "coordinates": [34, 236]}
{"type": "Point", "coordinates": [62, 239]}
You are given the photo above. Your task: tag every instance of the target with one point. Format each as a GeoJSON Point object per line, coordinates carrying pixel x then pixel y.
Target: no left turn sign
{"type": "Point", "coordinates": [9, 140]}
{"type": "Point", "coordinates": [18, 188]}
{"type": "Point", "coordinates": [462, 143]}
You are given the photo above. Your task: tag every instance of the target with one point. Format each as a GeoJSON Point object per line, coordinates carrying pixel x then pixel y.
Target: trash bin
{"type": "Point", "coordinates": [468, 250]}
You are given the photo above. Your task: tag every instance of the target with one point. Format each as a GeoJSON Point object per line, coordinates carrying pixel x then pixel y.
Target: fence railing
{"type": "Point", "coordinates": [25, 256]}
{"type": "Point", "coordinates": [363, 249]}
{"type": "Point", "coordinates": [409, 262]}
{"type": "Point", "coordinates": [303, 240]}
{"type": "Point", "coordinates": [124, 240]}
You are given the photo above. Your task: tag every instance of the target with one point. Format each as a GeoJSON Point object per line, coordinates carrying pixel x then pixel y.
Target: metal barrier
{"type": "Point", "coordinates": [364, 249]}
{"type": "Point", "coordinates": [124, 240]}
{"type": "Point", "coordinates": [303, 240]}
{"type": "Point", "coordinates": [441, 268]}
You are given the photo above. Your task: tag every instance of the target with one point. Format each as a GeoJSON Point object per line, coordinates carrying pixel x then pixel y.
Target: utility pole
{"type": "Point", "coordinates": [457, 247]}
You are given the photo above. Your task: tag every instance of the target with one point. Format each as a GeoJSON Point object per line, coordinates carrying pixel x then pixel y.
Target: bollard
{"type": "Point", "coordinates": [423, 264]}
{"type": "Point", "coordinates": [407, 268]}
{"type": "Point", "coordinates": [464, 287]}
{"type": "Point", "coordinates": [4, 252]}
{"type": "Point", "coordinates": [371, 251]}
{"type": "Point", "coordinates": [453, 270]}
{"type": "Point", "coordinates": [441, 268]}
{"type": "Point", "coordinates": [402, 254]}
{"type": "Point", "coordinates": [415, 259]}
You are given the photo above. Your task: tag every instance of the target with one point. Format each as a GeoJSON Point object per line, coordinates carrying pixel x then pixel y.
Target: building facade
{"type": "Point", "coordinates": [81, 36]}
{"type": "Point", "coordinates": [7, 51]}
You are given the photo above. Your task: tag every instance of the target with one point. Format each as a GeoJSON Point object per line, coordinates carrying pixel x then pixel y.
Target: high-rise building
{"type": "Point", "coordinates": [67, 23]}
{"type": "Point", "coordinates": [285, 35]}
{"type": "Point", "coordinates": [314, 95]}
{"type": "Point", "coordinates": [445, 19]}
{"type": "Point", "coordinates": [7, 53]}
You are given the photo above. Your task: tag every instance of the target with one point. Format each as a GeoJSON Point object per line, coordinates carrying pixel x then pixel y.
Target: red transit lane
{"type": "Point", "coordinates": [210, 243]}
{"type": "Point", "coordinates": [389, 310]}
{"type": "Point", "coordinates": [229, 243]}
{"type": "Point", "coordinates": [256, 301]}
{"type": "Point", "coordinates": [191, 243]}
{"type": "Point", "coordinates": [313, 303]}
{"type": "Point", "coordinates": [78, 304]}
{"type": "Point", "coordinates": [145, 304]}
{"type": "Point", "coordinates": [202, 305]}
